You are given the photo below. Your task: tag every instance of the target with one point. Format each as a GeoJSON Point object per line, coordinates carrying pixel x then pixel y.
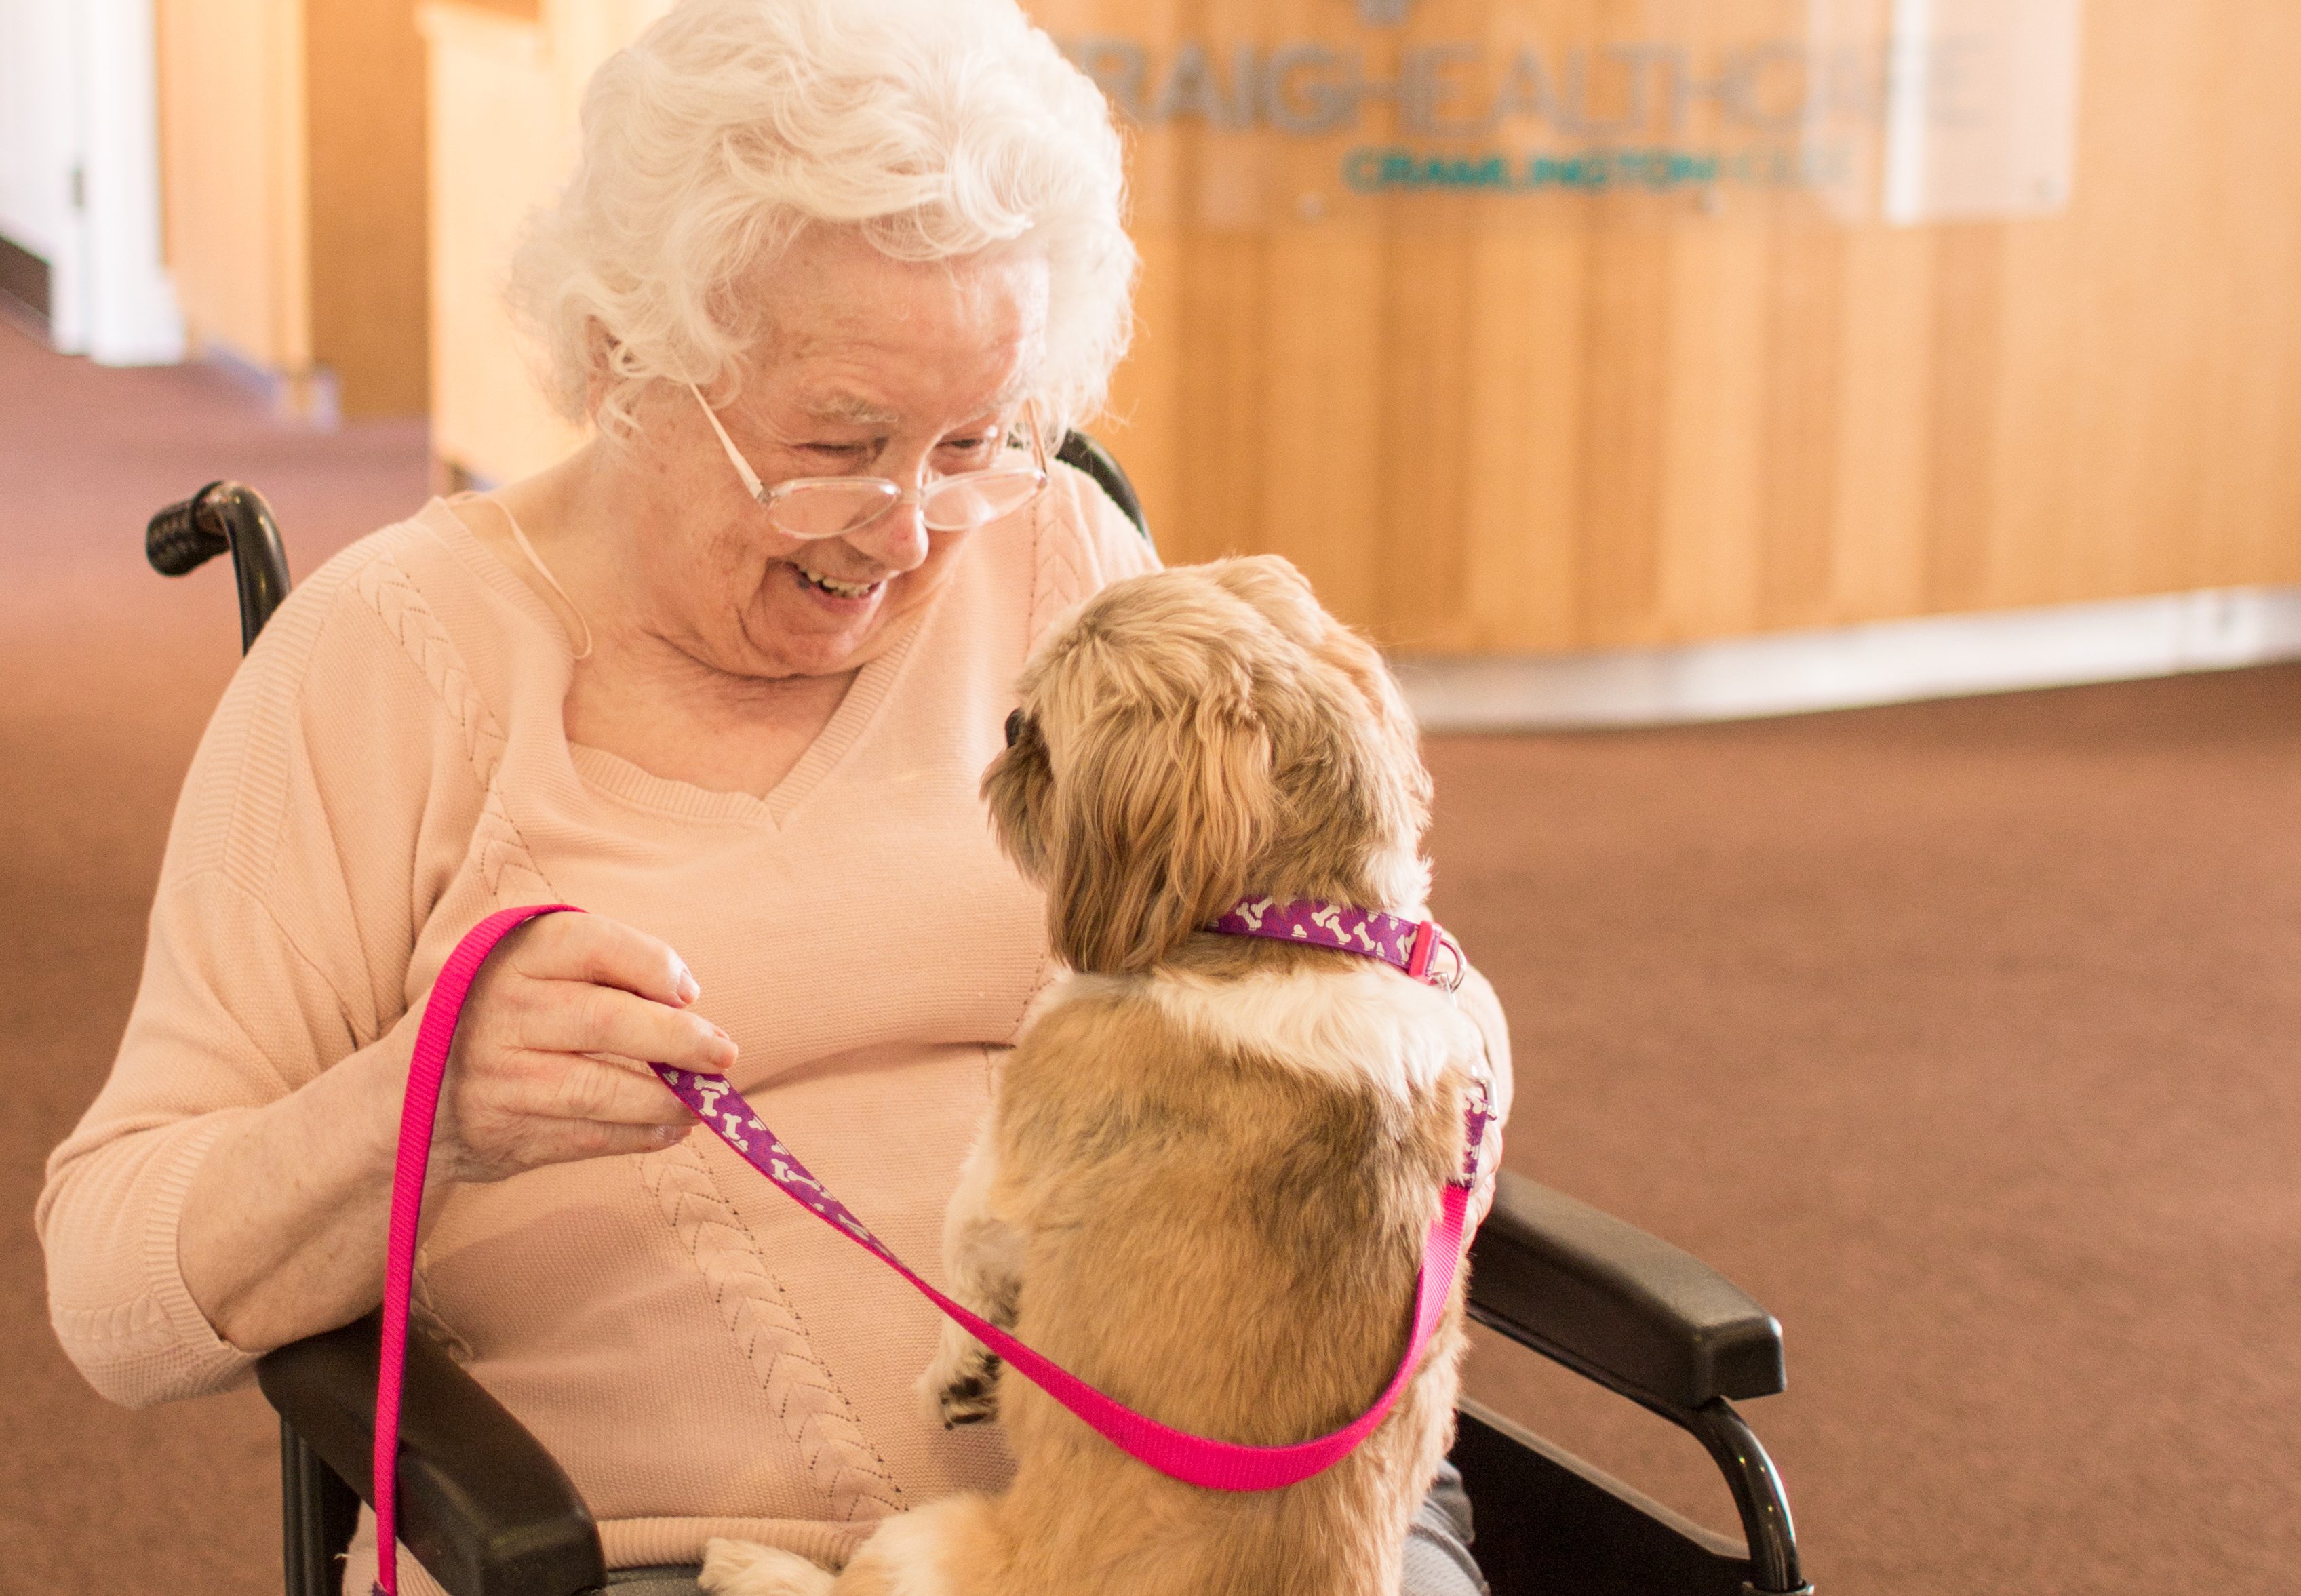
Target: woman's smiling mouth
{"type": "Point", "coordinates": [831, 588]}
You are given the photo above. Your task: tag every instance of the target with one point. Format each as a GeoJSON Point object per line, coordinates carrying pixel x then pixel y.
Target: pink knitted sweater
{"type": "Point", "coordinates": [388, 766]}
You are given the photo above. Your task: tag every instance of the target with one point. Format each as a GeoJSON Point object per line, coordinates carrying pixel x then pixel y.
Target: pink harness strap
{"type": "Point", "coordinates": [1214, 1465]}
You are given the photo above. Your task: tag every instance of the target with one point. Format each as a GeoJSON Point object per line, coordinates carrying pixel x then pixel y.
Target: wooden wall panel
{"type": "Point", "coordinates": [1880, 441]}
{"type": "Point", "coordinates": [1964, 416]}
{"type": "Point", "coordinates": [1604, 421]}
{"type": "Point", "coordinates": [1799, 369]}
{"type": "Point", "coordinates": [292, 167]}
{"type": "Point", "coordinates": [364, 67]}
{"type": "Point", "coordinates": [1525, 415]}
{"type": "Point", "coordinates": [233, 175]}
{"type": "Point", "coordinates": [501, 136]}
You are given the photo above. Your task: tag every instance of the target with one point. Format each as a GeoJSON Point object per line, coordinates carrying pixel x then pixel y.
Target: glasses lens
{"type": "Point", "coordinates": [958, 504]}
{"type": "Point", "coordinates": [831, 509]}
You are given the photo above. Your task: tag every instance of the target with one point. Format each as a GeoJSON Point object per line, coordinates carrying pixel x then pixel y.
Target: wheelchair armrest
{"type": "Point", "coordinates": [481, 1504]}
{"type": "Point", "coordinates": [1614, 1303]}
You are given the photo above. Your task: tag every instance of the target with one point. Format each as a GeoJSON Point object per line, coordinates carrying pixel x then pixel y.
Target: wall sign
{"type": "Point", "coordinates": [1908, 110]}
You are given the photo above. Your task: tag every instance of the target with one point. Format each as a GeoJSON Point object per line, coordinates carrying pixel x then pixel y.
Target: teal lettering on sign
{"type": "Point", "coordinates": [1398, 170]}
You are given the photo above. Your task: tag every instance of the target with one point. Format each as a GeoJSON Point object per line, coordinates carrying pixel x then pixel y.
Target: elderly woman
{"type": "Point", "coordinates": [831, 277]}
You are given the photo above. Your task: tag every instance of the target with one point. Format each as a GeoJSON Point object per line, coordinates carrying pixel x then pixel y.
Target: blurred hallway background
{"type": "Point", "coordinates": [1961, 1034]}
{"type": "Point", "coordinates": [111, 672]}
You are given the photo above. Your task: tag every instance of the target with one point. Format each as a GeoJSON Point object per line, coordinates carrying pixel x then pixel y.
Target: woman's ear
{"type": "Point", "coordinates": [1161, 811]}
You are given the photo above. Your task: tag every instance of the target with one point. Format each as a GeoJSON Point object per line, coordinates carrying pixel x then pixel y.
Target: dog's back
{"type": "Point", "coordinates": [1226, 1170]}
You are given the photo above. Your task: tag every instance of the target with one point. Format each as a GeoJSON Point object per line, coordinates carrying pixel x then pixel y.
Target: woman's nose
{"type": "Point", "coordinates": [896, 540]}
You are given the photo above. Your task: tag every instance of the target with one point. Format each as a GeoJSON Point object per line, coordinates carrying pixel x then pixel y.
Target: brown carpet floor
{"type": "Point", "coordinates": [1964, 1035]}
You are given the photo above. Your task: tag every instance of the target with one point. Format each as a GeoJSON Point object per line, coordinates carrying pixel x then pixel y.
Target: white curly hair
{"type": "Point", "coordinates": [936, 127]}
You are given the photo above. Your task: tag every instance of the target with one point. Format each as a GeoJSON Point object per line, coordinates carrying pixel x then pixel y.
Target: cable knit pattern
{"type": "Point", "coordinates": [761, 1317]}
{"type": "Point", "coordinates": [1060, 578]}
{"type": "Point", "coordinates": [506, 865]}
{"type": "Point", "coordinates": [410, 619]}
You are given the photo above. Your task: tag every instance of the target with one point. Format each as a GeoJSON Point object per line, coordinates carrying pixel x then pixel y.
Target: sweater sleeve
{"type": "Point", "coordinates": [323, 794]}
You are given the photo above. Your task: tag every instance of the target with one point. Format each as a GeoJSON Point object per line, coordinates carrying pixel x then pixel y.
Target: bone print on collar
{"type": "Point", "coordinates": [1420, 948]}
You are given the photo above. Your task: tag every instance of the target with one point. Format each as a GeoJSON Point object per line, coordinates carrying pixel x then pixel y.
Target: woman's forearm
{"type": "Point", "coordinates": [282, 1232]}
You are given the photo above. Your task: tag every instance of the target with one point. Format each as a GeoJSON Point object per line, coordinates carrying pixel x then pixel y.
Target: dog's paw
{"type": "Point", "coordinates": [741, 1569]}
{"type": "Point", "coordinates": [961, 1386]}
{"type": "Point", "coordinates": [972, 1397]}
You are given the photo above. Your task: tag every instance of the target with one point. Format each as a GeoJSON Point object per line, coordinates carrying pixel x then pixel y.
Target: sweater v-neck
{"type": "Point", "coordinates": [601, 773]}
{"type": "Point", "coordinates": [610, 773]}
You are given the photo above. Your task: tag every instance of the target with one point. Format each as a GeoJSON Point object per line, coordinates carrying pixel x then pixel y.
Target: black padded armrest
{"type": "Point", "coordinates": [1610, 1301]}
{"type": "Point", "coordinates": [481, 1504]}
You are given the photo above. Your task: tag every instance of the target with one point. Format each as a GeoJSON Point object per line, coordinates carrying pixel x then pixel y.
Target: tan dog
{"type": "Point", "coordinates": [1213, 1161]}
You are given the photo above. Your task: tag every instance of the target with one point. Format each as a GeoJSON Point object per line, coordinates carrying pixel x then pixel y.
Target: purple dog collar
{"type": "Point", "coordinates": [1420, 948]}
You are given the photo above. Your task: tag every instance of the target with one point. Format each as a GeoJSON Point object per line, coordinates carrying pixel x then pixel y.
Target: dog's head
{"type": "Point", "coordinates": [1197, 736]}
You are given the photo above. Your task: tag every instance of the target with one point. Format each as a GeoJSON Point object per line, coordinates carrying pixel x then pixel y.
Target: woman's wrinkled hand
{"type": "Point", "coordinates": [524, 1084]}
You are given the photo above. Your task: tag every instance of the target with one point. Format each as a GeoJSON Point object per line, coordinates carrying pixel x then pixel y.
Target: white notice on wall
{"type": "Point", "coordinates": [1981, 110]}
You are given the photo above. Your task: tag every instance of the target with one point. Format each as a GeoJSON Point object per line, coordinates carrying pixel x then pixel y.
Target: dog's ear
{"type": "Point", "coordinates": [1015, 788]}
{"type": "Point", "coordinates": [1162, 808]}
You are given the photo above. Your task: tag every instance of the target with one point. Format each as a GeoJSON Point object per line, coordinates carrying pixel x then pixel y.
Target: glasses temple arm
{"type": "Point", "coordinates": [743, 466]}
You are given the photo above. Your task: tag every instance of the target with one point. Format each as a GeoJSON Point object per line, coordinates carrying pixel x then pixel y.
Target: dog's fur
{"type": "Point", "coordinates": [1212, 1161]}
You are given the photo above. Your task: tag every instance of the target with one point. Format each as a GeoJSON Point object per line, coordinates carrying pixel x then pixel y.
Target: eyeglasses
{"type": "Point", "coordinates": [834, 506]}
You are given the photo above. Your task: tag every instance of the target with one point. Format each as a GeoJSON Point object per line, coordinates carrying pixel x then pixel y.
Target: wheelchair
{"type": "Point", "coordinates": [488, 1512]}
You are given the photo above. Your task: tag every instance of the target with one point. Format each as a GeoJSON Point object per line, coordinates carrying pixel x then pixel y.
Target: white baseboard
{"type": "Point", "coordinates": [1889, 662]}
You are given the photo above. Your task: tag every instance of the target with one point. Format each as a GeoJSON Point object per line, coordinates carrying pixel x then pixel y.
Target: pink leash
{"type": "Point", "coordinates": [1214, 1465]}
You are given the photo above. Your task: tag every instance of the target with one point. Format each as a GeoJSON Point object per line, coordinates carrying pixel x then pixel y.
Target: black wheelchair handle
{"type": "Point", "coordinates": [1081, 452]}
{"type": "Point", "coordinates": [225, 515]}
{"type": "Point", "coordinates": [175, 541]}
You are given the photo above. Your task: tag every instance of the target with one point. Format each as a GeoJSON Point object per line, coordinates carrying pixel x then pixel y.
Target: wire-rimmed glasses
{"type": "Point", "coordinates": [814, 507]}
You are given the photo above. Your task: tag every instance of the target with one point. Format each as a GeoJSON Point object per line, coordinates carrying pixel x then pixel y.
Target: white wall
{"type": "Point", "coordinates": [39, 139]}
{"type": "Point", "coordinates": [79, 178]}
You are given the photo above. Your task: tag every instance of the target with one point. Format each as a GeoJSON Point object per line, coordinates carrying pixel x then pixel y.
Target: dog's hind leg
{"type": "Point", "coordinates": [741, 1569]}
{"type": "Point", "coordinates": [948, 1548]}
